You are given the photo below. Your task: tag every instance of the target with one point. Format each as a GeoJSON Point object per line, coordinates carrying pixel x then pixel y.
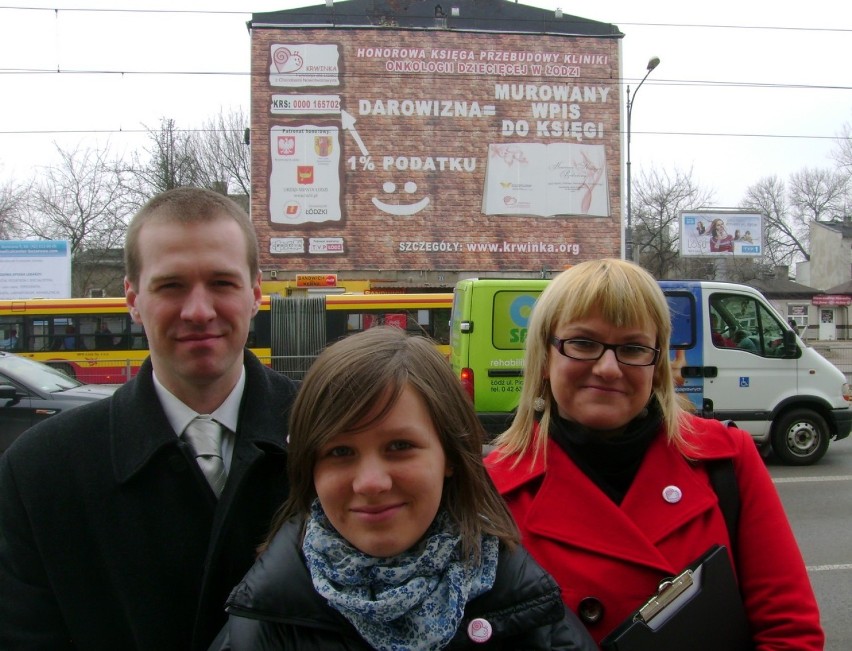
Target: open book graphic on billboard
{"type": "Point", "coordinates": [546, 180]}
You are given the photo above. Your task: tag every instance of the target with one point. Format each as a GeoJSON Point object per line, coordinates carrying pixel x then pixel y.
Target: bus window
{"type": "Point", "coordinates": [63, 334]}
{"type": "Point", "coordinates": [107, 331]}
{"type": "Point", "coordinates": [260, 331]}
{"type": "Point", "coordinates": [138, 340]}
{"type": "Point", "coordinates": [11, 333]}
{"type": "Point", "coordinates": [441, 326]}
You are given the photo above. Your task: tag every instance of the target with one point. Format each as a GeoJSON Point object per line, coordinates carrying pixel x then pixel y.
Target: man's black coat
{"type": "Point", "coordinates": [110, 537]}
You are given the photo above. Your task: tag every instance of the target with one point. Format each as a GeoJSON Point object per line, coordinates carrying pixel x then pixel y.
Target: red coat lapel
{"type": "Point", "coordinates": [571, 509]}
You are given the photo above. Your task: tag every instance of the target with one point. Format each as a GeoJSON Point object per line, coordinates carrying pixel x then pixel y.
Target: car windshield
{"type": "Point", "coordinates": [36, 374]}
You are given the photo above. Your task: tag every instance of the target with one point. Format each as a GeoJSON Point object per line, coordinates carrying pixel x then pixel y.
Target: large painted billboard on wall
{"type": "Point", "coordinates": [434, 149]}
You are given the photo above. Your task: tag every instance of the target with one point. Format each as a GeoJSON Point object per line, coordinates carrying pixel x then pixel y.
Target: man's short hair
{"type": "Point", "coordinates": [187, 206]}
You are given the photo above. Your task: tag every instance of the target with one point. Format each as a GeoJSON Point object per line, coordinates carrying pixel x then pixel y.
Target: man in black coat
{"type": "Point", "coordinates": [111, 536]}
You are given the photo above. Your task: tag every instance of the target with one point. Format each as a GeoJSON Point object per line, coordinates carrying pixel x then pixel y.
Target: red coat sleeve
{"type": "Point", "coordinates": [777, 591]}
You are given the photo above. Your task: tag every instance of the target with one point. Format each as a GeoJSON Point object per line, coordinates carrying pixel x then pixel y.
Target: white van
{"type": "Point", "coordinates": [733, 355]}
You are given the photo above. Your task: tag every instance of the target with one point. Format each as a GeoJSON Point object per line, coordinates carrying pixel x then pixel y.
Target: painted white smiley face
{"type": "Point", "coordinates": [400, 210]}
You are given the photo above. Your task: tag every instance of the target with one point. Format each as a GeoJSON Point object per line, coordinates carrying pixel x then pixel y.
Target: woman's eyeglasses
{"type": "Point", "coordinates": [589, 350]}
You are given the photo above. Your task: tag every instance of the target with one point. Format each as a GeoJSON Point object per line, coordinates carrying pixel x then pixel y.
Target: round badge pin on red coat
{"type": "Point", "coordinates": [672, 494]}
{"type": "Point", "coordinates": [479, 630]}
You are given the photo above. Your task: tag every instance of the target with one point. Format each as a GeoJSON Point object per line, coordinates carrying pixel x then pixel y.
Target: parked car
{"type": "Point", "coordinates": [31, 392]}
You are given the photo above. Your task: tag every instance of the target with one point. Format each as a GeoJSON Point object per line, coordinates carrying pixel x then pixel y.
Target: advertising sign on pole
{"type": "Point", "coordinates": [715, 233]}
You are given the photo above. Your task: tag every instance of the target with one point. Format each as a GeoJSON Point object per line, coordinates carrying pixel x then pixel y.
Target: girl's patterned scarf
{"type": "Point", "coordinates": [408, 602]}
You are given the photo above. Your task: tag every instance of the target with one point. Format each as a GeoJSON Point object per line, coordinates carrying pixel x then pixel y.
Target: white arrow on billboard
{"type": "Point", "coordinates": [348, 123]}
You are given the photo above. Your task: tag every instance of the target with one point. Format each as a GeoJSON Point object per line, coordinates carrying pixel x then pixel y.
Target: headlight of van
{"type": "Point", "coordinates": [847, 392]}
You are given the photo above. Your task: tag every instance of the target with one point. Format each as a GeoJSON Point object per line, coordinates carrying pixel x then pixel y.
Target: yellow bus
{"type": "Point", "coordinates": [95, 341]}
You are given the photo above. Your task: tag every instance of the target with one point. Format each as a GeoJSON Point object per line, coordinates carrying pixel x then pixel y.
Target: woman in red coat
{"type": "Point", "coordinates": [605, 472]}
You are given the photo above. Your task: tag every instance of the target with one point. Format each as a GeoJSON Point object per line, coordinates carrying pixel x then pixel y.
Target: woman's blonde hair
{"type": "Point", "coordinates": [621, 293]}
{"type": "Point", "coordinates": [354, 383]}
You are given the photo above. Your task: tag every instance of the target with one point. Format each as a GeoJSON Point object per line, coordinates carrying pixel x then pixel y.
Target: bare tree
{"type": "Point", "coordinates": [785, 238]}
{"type": "Point", "coordinates": [842, 153]}
{"type": "Point", "coordinates": [11, 203]}
{"type": "Point", "coordinates": [843, 157]}
{"type": "Point", "coordinates": [80, 200]}
{"type": "Point", "coordinates": [223, 157]}
{"type": "Point", "coordinates": [168, 162]}
{"type": "Point", "coordinates": [660, 197]}
{"type": "Point", "coordinates": [817, 194]}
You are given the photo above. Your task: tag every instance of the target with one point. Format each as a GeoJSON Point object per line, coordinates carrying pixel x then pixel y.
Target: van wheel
{"type": "Point", "coordinates": [800, 437]}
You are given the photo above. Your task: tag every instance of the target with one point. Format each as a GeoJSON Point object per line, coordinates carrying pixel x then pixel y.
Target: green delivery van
{"type": "Point", "coordinates": [488, 328]}
{"type": "Point", "coordinates": [754, 371]}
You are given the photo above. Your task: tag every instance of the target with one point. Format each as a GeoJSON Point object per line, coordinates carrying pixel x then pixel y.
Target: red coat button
{"type": "Point", "coordinates": [590, 610]}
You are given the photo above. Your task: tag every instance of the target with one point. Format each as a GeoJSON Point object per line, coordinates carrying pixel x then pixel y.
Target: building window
{"type": "Point", "coordinates": [798, 314]}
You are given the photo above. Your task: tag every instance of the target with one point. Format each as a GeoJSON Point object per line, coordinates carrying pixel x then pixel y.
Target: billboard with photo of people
{"type": "Point", "coordinates": [714, 233]}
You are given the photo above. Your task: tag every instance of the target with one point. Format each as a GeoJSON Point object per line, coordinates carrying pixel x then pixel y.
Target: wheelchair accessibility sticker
{"type": "Point", "coordinates": [744, 383]}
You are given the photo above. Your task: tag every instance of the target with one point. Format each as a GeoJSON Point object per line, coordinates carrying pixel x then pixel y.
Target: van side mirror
{"type": "Point", "coordinates": [789, 343]}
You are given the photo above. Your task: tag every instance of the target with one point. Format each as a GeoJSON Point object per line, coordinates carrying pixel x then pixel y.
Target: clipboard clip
{"type": "Point", "coordinates": [666, 594]}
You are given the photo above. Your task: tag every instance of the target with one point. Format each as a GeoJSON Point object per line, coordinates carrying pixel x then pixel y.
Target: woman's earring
{"type": "Point", "coordinates": [539, 403]}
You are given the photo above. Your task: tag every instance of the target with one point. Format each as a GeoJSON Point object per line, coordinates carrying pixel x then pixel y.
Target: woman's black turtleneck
{"type": "Point", "coordinates": [610, 462]}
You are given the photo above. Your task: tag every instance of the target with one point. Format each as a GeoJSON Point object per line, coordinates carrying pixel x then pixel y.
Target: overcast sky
{"type": "Point", "coordinates": [744, 90]}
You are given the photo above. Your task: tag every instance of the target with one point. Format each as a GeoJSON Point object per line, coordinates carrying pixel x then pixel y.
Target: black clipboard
{"type": "Point", "coordinates": [700, 609]}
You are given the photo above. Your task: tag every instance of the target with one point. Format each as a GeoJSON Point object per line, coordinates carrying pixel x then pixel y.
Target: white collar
{"type": "Point", "coordinates": [180, 415]}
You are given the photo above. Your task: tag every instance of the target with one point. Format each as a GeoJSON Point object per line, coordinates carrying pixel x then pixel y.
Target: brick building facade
{"type": "Point", "coordinates": [412, 144]}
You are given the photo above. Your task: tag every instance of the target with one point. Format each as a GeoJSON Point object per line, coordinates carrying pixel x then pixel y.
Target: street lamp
{"type": "Point", "coordinates": [653, 62]}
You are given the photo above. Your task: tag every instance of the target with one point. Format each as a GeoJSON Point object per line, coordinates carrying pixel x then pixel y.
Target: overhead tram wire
{"type": "Point", "coordinates": [202, 12]}
{"type": "Point", "coordinates": [432, 129]}
{"type": "Point", "coordinates": [513, 21]}
{"type": "Point", "coordinates": [587, 80]}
